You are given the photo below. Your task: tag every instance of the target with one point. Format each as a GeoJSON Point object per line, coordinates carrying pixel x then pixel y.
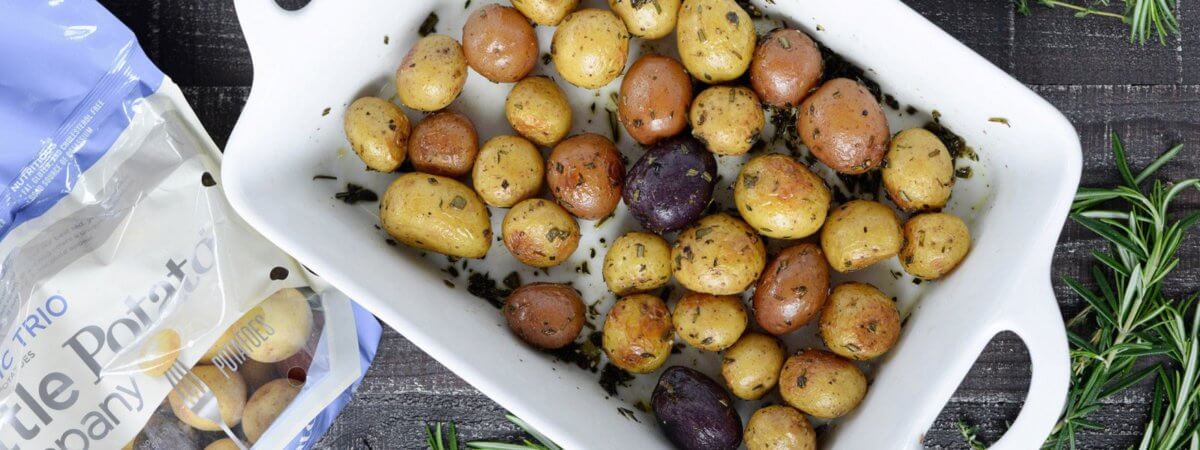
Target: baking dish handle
{"type": "Point", "coordinates": [1033, 315]}
{"type": "Point", "coordinates": [265, 25]}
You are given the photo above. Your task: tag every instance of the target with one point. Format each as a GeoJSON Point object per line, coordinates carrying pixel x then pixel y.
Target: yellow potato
{"type": "Point", "coordinates": [257, 374]}
{"type": "Point", "coordinates": [285, 319]}
{"type": "Point", "coordinates": [545, 12]}
{"type": "Point", "coordinates": [860, 233]}
{"type": "Point", "coordinates": [230, 391]}
{"type": "Point", "coordinates": [590, 47]}
{"type": "Point", "coordinates": [859, 322]}
{"type": "Point", "coordinates": [709, 322]}
{"type": "Point", "coordinates": [718, 255]}
{"type": "Point", "coordinates": [222, 444]}
{"type": "Point", "coordinates": [540, 233]}
{"type": "Point", "coordinates": [934, 244]}
{"type": "Point", "coordinates": [432, 74]}
{"type": "Point", "coordinates": [378, 133]}
{"type": "Point", "coordinates": [637, 262]}
{"type": "Point", "coordinates": [647, 19]}
{"type": "Point", "coordinates": [821, 384]}
{"type": "Point", "coordinates": [716, 39]}
{"type": "Point", "coordinates": [751, 366]}
{"type": "Point", "coordinates": [438, 214]}
{"type": "Point", "coordinates": [538, 110]}
{"type": "Point", "coordinates": [779, 427]}
{"type": "Point", "coordinates": [918, 171]}
{"type": "Point", "coordinates": [159, 351]}
{"type": "Point", "coordinates": [727, 119]}
{"type": "Point", "coordinates": [780, 197]}
{"type": "Point", "coordinates": [637, 333]}
{"type": "Point", "coordinates": [508, 169]}
{"type": "Point", "coordinates": [266, 404]}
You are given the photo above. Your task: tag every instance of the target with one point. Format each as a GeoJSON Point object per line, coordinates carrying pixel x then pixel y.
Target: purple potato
{"type": "Point", "coordinates": [671, 185]}
{"type": "Point", "coordinates": [695, 412]}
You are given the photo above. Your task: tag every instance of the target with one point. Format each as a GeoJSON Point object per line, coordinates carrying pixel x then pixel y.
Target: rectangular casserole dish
{"type": "Point", "coordinates": [310, 64]}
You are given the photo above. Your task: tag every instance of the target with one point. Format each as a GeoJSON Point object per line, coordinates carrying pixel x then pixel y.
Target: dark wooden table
{"type": "Point", "coordinates": [1149, 95]}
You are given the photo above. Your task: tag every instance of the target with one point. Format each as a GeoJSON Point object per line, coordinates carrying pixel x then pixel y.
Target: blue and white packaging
{"type": "Point", "coordinates": [119, 253]}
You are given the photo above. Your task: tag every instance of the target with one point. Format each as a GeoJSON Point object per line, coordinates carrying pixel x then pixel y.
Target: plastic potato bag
{"type": "Point", "coordinates": [120, 258]}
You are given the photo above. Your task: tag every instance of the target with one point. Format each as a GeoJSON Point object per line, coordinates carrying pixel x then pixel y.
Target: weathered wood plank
{"type": "Point", "coordinates": [202, 44]}
{"type": "Point", "coordinates": [984, 26]}
{"type": "Point", "coordinates": [218, 108]}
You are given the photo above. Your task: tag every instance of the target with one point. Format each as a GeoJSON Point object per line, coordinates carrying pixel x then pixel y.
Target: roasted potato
{"type": "Point", "coordinates": [229, 389]}
{"type": "Point", "coordinates": [537, 109]}
{"type": "Point", "coordinates": [508, 169]}
{"type": "Point", "coordinates": [671, 184]}
{"type": "Point", "coordinates": [787, 65]}
{"type": "Point", "coordinates": [780, 197]}
{"type": "Point", "coordinates": [751, 366]}
{"type": "Point", "coordinates": [647, 19]}
{"type": "Point", "coordinates": [589, 48]}
{"type": "Point", "coordinates": [860, 233]}
{"type": "Point", "coordinates": [432, 74]}
{"type": "Point", "coordinates": [718, 255]}
{"type": "Point", "coordinates": [709, 322]}
{"type": "Point", "coordinates": [585, 175]}
{"type": "Point", "coordinates": [716, 39]}
{"type": "Point", "coordinates": [444, 143]}
{"type": "Point", "coordinates": [438, 214]}
{"type": "Point", "coordinates": [378, 132]}
{"type": "Point", "coordinates": [792, 289]}
{"type": "Point", "coordinates": [638, 333]}
{"type": "Point", "coordinates": [266, 404]}
{"type": "Point", "coordinates": [860, 322]}
{"type": "Point", "coordinates": [545, 12]}
{"type": "Point", "coordinates": [779, 427]}
{"type": "Point", "coordinates": [545, 315]}
{"type": "Point", "coordinates": [918, 171]}
{"type": "Point", "coordinates": [821, 384]}
{"type": "Point", "coordinates": [540, 233]}
{"type": "Point", "coordinates": [934, 244]}
{"type": "Point", "coordinates": [637, 262]}
{"type": "Point", "coordinates": [844, 126]}
{"type": "Point", "coordinates": [654, 98]}
{"type": "Point", "coordinates": [727, 119]}
{"type": "Point", "coordinates": [160, 351]}
{"type": "Point", "coordinates": [500, 44]}
{"type": "Point", "coordinates": [694, 412]}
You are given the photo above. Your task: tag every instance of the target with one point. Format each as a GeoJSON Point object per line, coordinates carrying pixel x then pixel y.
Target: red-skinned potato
{"type": "Point", "coordinates": [844, 126]}
{"type": "Point", "coordinates": [500, 44]}
{"type": "Point", "coordinates": [787, 65]}
{"type": "Point", "coordinates": [585, 173]}
{"type": "Point", "coordinates": [654, 99]}
{"type": "Point", "coordinates": [792, 289]}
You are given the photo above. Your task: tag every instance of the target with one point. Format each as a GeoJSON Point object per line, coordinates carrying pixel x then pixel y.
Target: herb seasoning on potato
{"type": "Point", "coordinates": [589, 48]}
{"type": "Point", "coordinates": [821, 384]}
{"type": "Point", "coordinates": [779, 427]}
{"type": "Point", "coordinates": [585, 173]}
{"type": "Point", "coordinates": [792, 289]}
{"type": "Point", "coordinates": [787, 66]}
{"type": "Point", "coordinates": [860, 322]}
{"type": "Point", "coordinates": [537, 109]}
{"type": "Point", "coordinates": [860, 233]}
{"type": "Point", "coordinates": [637, 262]}
{"type": "Point", "coordinates": [709, 322]}
{"type": "Point", "coordinates": [436, 213]}
{"type": "Point", "coordinates": [718, 255]}
{"type": "Point", "coordinates": [540, 233]}
{"type": "Point", "coordinates": [694, 412]}
{"type": "Point", "coordinates": [844, 126]}
{"type": "Point", "coordinates": [444, 143]}
{"type": "Point", "coordinates": [432, 74]}
{"type": "Point", "coordinates": [919, 172]}
{"type": "Point", "coordinates": [638, 333]}
{"type": "Point", "coordinates": [545, 315]}
{"type": "Point", "coordinates": [647, 19]}
{"type": "Point", "coordinates": [654, 98]}
{"type": "Point", "coordinates": [499, 43]}
{"type": "Point", "coordinates": [728, 120]}
{"type": "Point", "coordinates": [669, 187]}
{"type": "Point", "coordinates": [508, 169]}
{"type": "Point", "coordinates": [716, 39]}
{"type": "Point", "coordinates": [751, 366]}
{"type": "Point", "coordinates": [934, 244]}
{"type": "Point", "coordinates": [378, 132]}
{"type": "Point", "coordinates": [780, 197]}
{"type": "Point", "coordinates": [545, 12]}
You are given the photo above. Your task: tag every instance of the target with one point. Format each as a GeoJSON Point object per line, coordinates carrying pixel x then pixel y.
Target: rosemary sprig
{"type": "Point", "coordinates": [1131, 316]}
{"type": "Point", "coordinates": [1146, 18]}
{"type": "Point", "coordinates": [437, 439]}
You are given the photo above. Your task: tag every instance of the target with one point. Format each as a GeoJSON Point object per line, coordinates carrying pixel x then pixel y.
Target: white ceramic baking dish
{"type": "Point", "coordinates": [310, 64]}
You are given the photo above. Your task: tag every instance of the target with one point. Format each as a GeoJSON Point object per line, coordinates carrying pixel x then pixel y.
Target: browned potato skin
{"type": "Point", "coordinates": [779, 427]}
{"type": "Point", "coordinates": [445, 144]}
{"type": "Point", "coordinates": [780, 197]}
{"type": "Point", "coordinates": [638, 333]}
{"type": "Point", "coordinates": [860, 322]}
{"type": "Point", "coordinates": [919, 171]}
{"type": "Point", "coordinates": [378, 132]}
{"type": "Point", "coordinates": [709, 322]}
{"type": "Point", "coordinates": [792, 289]}
{"type": "Point", "coordinates": [727, 119]}
{"type": "Point", "coordinates": [860, 233]}
{"type": "Point", "coordinates": [654, 99]}
{"type": "Point", "coordinates": [500, 44]}
{"type": "Point", "coordinates": [545, 315]}
{"type": "Point", "coordinates": [436, 213]}
{"type": "Point", "coordinates": [934, 244]}
{"type": "Point", "coordinates": [540, 233]}
{"type": "Point", "coordinates": [751, 366]}
{"type": "Point", "coordinates": [821, 384]}
{"type": "Point", "coordinates": [545, 12]}
{"type": "Point", "coordinates": [585, 173]}
{"type": "Point", "coordinates": [844, 127]}
{"type": "Point", "coordinates": [718, 255]}
{"type": "Point", "coordinates": [637, 262]}
{"type": "Point", "coordinates": [787, 65]}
